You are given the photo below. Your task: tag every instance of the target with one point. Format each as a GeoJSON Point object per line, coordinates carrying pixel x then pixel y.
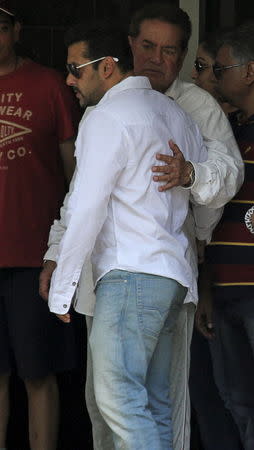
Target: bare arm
{"type": "Point", "coordinates": [204, 313]}
{"type": "Point", "coordinates": [67, 149]}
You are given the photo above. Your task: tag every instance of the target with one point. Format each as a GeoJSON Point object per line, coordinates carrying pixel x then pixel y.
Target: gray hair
{"type": "Point", "coordinates": [241, 42]}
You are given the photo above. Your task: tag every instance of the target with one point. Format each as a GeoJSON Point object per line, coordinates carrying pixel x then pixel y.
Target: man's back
{"type": "Point", "coordinates": [140, 228]}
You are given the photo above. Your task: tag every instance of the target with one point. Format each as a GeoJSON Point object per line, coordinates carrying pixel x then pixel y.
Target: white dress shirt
{"type": "Point", "coordinates": [221, 176]}
{"type": "Point", "coordinates": [212, 123]}
{"type": "Point", "coordinates": [115, 212]}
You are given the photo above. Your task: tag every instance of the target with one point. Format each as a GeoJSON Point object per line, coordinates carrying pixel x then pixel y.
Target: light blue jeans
{"type": "Point", "coordinates": [130, 341]}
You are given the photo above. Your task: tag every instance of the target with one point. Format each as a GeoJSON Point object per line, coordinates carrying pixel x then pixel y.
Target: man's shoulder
{"type": "Point", "coordinates": [191, 97]}
{"type": "Point", "coordinates": [131, 102]}
{"type": "Point", "coordinates": [43, 73]}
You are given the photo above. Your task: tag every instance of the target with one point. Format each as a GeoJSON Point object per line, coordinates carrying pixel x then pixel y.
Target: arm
{"type": "Point", "coordinates": [56, 234]}
{"type": "Point", "coordinates": [203, 317]}
{"type": "Point", "coordinates": [219, 178]}
{"type": "Point", "coordinates": [87, 206]}
{"type": "Point", "coordinates": [58, 228]}
{"type": "Point", "coordinates": [67, 149]}
{"type": "Point", "coordinates": [205, 220]}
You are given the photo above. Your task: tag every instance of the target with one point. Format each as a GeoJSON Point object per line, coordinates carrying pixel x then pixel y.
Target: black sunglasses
{"type": "Point", "coordinates": [74, 70]}
{"type": "Point", "coordinates": [200, 67]}
{"type": "Point", "coordinates": [218, 69]}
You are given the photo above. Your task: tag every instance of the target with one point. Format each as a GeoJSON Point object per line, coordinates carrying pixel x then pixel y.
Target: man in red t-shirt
{"type": "Point", "coordinates": [38, 115]}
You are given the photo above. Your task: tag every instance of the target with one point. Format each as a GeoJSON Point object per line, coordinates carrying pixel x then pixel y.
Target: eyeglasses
{"type": "Point", "coordinates": [218, 69]}
{"type": "Point", "coordinates": [74, 70]}
{"type": "Point", "coordinates": [200, 67]}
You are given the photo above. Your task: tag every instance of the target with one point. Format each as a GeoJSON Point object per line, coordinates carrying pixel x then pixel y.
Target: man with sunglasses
{"type": "Point", "coordinates": [159, 35]}
{"type": "Point", "coordinates": [230, 254]}
{"type": "Point", "coordinates": [38, 118]}
{"type": "Point", "coordinates": [131, 231]}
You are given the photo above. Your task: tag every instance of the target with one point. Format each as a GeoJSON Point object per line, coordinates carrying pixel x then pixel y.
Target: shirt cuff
{"type": "Point", "coordinates": [52, 253]}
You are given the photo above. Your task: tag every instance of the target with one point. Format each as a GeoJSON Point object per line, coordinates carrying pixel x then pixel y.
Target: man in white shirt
{"type": "Point", "coordinates": [215, 181]}
{"type": "Point", "coordinates": [132, 232]}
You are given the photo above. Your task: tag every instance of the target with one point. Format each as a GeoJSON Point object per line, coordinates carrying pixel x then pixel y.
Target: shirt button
{"type": "Point", "coordinates": [74, 283]}
{"type": "Point", "coordinates": [65, 306]}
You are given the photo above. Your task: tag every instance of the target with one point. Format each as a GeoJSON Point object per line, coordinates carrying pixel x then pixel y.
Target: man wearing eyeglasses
{"type": "Point", "coordinates": [230, 254]}
{"type": "Point", "coordinates": [38, 118]}
{"type": "Point", "coordinates": [159, 37]}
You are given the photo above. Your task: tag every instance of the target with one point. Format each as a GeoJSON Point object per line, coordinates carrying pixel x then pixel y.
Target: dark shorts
{"type": "Point", "coordinates": [32, 339]}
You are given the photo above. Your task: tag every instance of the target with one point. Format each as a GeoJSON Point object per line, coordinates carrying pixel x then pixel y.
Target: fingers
{"type": "Point", "coordinates": [175, 149]}
{"type": "Point", "coordinates": [66, 318]}
{"type": "Point", "coordinates": [174, 170]}
{"type": "Point", "coordinates": [168, 185]}
{"type": "Point", "coordinates": [171, 179]}
{"type": "Point", "coordinates": [204, 317]}
{"type": "Point", "coordinates": [206, 328]}
{"type": "Point", "coordinates": [166, 159]}
{"type": "Point", "coordinates": [201, 245]}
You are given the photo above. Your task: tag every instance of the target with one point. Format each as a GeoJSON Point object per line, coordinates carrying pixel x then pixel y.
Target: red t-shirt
{"type": "Point", "coordinates": [37, 112]}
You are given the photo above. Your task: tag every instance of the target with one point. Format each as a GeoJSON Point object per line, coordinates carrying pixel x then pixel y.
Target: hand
{"type": "Point", "coordinates": [201, 250]}
{"type": "Point", "coordinates": [203, 318]}
{"type": "Point", "coordinates": [45, 278]}
{"type": "Point", "coordinates": [66, 318]}
{"type": "Point", "coordinates": [176, 172]}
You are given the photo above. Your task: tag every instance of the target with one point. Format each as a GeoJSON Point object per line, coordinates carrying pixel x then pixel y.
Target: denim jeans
{"type": "Point", "coordinates": [130, 341]}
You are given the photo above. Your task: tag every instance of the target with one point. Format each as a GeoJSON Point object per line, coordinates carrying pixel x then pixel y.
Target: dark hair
{"type": "Point", "coordinates": [166, 13]}
{"type": "Point", "coordinates": [9, 17]}
{"type": "Point", "coordinates": [103, 38]}
{"type": "Point", "coordinates": [241, 41]}
{"type": "Point", "coordinates": [210, 44]}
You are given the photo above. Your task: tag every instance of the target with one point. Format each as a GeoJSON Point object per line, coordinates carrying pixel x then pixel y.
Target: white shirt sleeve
{"type": "Point", "coordinates": [205, 220]}
{"type": "Point", "coordinates": [101, 156]}
{"type": "Point", "coordinates": [219, 178]}
{"type": "Point", "coordinates": [58, 228]}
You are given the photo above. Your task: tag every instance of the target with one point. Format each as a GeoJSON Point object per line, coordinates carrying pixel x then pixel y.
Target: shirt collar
{"type": "Point", "coordinates": [132, 82]}
{"type": "Point", "coordinates": [174, 91]}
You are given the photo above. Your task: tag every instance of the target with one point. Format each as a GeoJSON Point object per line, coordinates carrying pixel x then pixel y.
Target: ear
{"type": "Point", "coordinates": [250, 72]}
{"type": "Point", "coordinates": [17, 28]}
{"type": "Point", "coordinates": [182, 58]}
{"type": "Point", "coordinates": [108, 67]}
{"type": "Point", "coordinates": [131, 42]}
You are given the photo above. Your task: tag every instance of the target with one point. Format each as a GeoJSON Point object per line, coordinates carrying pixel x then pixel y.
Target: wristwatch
{"type": "Point", "coordinates": [191, 176]}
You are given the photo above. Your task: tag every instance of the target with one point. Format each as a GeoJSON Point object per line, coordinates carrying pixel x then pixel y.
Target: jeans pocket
{"type": "Point", "coordinates": [110, 300]}
{"type": "Point", "coordinates": [157, 296]}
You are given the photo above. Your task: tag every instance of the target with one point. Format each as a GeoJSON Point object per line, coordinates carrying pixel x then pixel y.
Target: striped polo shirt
{"type": "Point", "coordinates": [231, 252]}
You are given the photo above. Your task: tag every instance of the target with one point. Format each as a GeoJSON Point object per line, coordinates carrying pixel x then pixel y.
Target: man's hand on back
{"type": "Point", "coordinates": [175, 172]}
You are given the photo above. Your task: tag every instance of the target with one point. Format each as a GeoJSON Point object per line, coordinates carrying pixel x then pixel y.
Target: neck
{"type": "Point", "coordinates": [246, 104]}
{"type": "Point", "coordinates": [10, 65]}
{"type": "Point", "coordinates": [121, 76]}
